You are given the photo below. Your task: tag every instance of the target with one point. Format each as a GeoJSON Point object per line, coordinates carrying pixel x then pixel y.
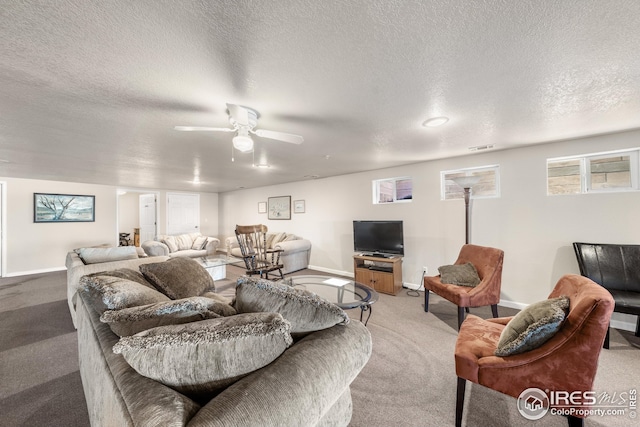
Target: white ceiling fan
{"type": "Point", "coordinates": [243, 121]}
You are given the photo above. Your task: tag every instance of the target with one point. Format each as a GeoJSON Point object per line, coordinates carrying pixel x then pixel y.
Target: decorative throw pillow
{"type": "Point", "coordinates": [171, 243]}
{"type": "Point", "coordinates": [127, 274]}
{"type": "Point", "coordinates": [533, 326]}
{"type": "Point", "coordinates": [199, 243]}
{"type": "Point", "coordinates": [269, 239]}
{"type": "Point", "coordinates": [461, 275]}
{"type": "Point", "coordinates": [180, 277]}
{"type": "Point", "coordinates": [98, 255]}
{"type": "Point", "coordinates": [305, 310]}
{"type": "Point", "coordinates": [184, 242]}
{"type": "Point", "coordinates": [225, 305]}
{"type": "Point", "coordinates": [201, 357]}
{"type": "Point", "coordinates": [290, 237]}
{"type": "Point", "coordinates": [130, 321]}
{"type": "Point", "coordinates": [277, 238]}
{"type": "Point", "coordinates": [115, 293]}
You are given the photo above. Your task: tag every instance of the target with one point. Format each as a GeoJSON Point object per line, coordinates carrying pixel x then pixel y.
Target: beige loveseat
{"type": "Point", "coordinates": [191, 245]}
{"type": "Point", "coordinates": [295, 255]}
{"type": "Point", "coordinates": [307, 384]}
{"type": "Point", "coordinates": [76, 268]}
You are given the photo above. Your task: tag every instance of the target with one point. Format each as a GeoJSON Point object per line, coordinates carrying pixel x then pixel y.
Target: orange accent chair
{"type": "Point", "coordinates": [488, 263]}
{"type": "Point", "coordinates": [566, 362]}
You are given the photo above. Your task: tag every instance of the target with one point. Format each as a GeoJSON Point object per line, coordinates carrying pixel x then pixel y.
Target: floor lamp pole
{"type": "Point", "coordinates": [467, 219]}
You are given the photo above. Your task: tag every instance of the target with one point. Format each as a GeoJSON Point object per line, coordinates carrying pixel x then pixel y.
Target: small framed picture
{"type": "Point", "coordinates": [262, 207]}
{"type": "Point", "coordinates": [298, 206]}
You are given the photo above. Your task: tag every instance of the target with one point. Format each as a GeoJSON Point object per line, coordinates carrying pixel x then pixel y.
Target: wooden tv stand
{"type": "Point", "coordinates": [382, 274]}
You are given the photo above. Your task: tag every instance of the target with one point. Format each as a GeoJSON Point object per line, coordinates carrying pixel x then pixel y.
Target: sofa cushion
{"type": "Point", "coordinates": [184, 241]}
{"type": "Point", "coordinates": [99, 255]}
{"type": "Point", "coordinates": [305, 310]}
{"type": "Point", "coordinates": [205, 356]}
{"type": "Point", "coordinates": [459, 274]}
{"type": "Point", "coordinates": [115, 293]}
{"type": "Point", "coordinates": [171, 243]}
{"type": "Point", "coordinates": [179, 277]}
{"type": "Point", "coordinates": [533, 326]}
{"type": "Point", "coordinates": [130, 321]}
{"type": "Point", "coordinates": [128, 274]}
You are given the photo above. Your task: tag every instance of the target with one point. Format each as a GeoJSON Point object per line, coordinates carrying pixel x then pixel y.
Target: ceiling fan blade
{"type": "Point", "coordinates": [239, 114]}
{"type": "Point", "coordinates": [280, 136]}
{"type": "Point", "coordinates": [202, 128]}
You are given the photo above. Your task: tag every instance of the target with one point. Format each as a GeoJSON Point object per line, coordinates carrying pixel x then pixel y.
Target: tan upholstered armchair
{"type": "Point", "coordinates": [566, 362]}
{"type": "Point", "coordinates": [488, 263]}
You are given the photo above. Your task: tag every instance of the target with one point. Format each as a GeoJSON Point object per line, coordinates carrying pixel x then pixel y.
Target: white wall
{"type": "Point", "coordinates": [128, 213]}
{"type": "Point", "coordinates": [534, 230]}
{"type": "Point", "coordinates": [40, 247]}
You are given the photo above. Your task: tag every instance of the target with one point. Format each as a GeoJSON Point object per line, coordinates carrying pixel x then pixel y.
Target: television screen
{"type": "Point", "coordinates": [378, 238]}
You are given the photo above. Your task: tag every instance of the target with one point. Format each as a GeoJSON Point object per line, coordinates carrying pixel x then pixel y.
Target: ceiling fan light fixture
{"type": "Point", "coordinates": [435, 122]}
{"type": "Point", "coordinates": [243, 143]}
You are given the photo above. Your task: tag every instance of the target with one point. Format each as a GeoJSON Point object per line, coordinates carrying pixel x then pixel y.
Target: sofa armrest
{"type": "Point", "coordinates": [212, 245]}
{"type": "Point", "coordinates": [155, 248]}
{"type": "Point", "coordinates": [299, 387]}
{"type": "Point", "coordinates": [292, 246]}
{"type": "Point", "coordinates": [231, 243]}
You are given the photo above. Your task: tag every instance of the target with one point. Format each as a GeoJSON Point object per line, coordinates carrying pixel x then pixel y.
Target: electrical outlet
{"type": "Point", "coordinates": [425, 269]}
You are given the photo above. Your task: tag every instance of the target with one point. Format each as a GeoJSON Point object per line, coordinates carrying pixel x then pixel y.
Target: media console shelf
{"type": "Point", "coordinates": [382, 274]}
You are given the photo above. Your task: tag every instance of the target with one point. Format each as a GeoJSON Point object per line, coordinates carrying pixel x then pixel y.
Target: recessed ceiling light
{"type": "Point", "coordinates": [435, 122]}
{"type": "Point", "coordinates": [262, 166]}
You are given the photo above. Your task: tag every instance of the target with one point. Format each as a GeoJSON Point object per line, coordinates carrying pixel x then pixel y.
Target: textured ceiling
{"type": "Point", "coordinates": [90, 90]}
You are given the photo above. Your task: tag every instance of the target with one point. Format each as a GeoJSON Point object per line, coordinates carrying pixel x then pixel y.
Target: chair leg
{"type": "Point", "coordinates": [575, 421]}
{"type": "Point", "coordinates": [494, 310]}
{"type": "Point", "coordinates": [606, 338]}
{"type": "Point", "coordinates": [466, 309]}
{"type": "Point", "coordinates": [638, 327]}
{"type": "Point", "coordinates": [461, 315]}
{"type": "Point", "coordinates": [462, 383]}
{"type": "Point", "coordinates": [426, 300]}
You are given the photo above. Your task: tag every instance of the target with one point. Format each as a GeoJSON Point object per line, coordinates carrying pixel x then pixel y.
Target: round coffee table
{"type": "Point", "coordinates": [345, 293]}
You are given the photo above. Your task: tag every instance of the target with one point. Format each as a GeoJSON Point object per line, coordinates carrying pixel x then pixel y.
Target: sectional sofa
{"type": "Point", "coordinates": [222, 364]}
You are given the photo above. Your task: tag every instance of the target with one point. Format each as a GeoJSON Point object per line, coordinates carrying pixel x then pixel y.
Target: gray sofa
{"type": "Point", "coordinates": [307, 385]}
{"type": "Point", "coordinates": [181, 245]}
{"type": "Point", "coordinates": [76, 268]}
{"type": "Point", "coordinates": [295, 255]}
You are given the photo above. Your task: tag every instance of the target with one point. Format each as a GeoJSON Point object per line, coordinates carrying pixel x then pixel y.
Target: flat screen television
{"type": "Point", "coordinates": [378, 238]}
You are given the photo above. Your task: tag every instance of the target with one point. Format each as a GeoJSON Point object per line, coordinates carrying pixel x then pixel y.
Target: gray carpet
{"type": "Point", "coordinates": [409, 381]}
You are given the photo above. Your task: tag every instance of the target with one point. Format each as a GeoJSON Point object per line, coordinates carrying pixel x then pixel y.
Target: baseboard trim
{"type": "Point", "coordinates": [27, 273]}
{"type": "Point", "coordinates": [332, 271]}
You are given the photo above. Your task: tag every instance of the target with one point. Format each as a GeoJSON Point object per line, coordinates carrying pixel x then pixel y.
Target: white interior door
{"type": "Point", "coordinates": [147, 217]}
{"type": "Point", "coordinates": [183, 213]}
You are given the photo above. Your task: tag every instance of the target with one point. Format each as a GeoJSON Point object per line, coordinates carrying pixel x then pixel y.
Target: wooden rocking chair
{"type": "Point", "coordinates": [258, 259]}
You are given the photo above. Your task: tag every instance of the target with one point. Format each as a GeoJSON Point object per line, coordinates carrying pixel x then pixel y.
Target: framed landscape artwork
{"type": "Point", "coordinates": [279, 207]}
{"type": "Point", "coordinates": [63, 208]}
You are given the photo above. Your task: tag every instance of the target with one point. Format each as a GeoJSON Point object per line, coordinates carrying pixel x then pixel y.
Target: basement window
{"type": "Point", "coordinates": [392, 190]}
{"type": "Point", "coordinates": [593, 173]}
{"type": "Point", "coordinates": [488, 185]}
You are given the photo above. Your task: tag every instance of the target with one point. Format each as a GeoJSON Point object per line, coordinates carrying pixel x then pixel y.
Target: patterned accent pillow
{"type": "Point", "coordinates": [180, 277]}
{"type": "Point", "coordinates": [305, 310]}
{"type": "Point", "coordinates": [115, 293]}
{"type": "Point", "coordinates": [130, 321]}
{"type": "Point", "coordinates": [199, 243]}
{"type": "Point", "coordinates": [171, 243]}
{"type": "Point", "coordinates": [205, 356]}
{"type": "Point", "coordinates": [533, 326]}
{"type": "Point", "coordinates": [461, 275]}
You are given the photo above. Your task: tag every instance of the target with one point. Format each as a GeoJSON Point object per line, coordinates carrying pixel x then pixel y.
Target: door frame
{"type": "Point", "coordinates": [138, 191]}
